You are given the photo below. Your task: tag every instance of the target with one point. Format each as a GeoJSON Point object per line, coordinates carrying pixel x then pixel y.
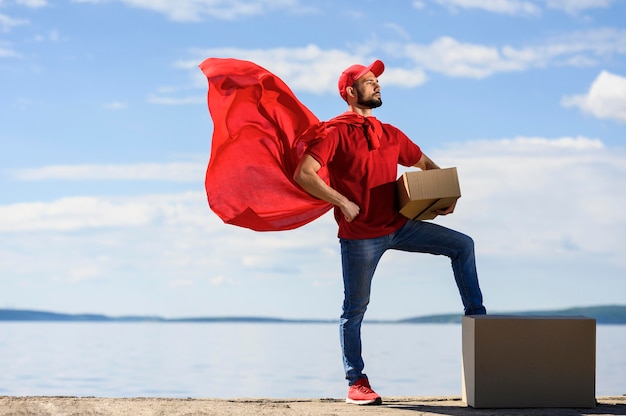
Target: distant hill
{"type": "Point", "coordinates": [604, 315]}
{"type": "Point", "coordinates": [29, 315]}
{"type": "Point", "coordinates": [44, 316]}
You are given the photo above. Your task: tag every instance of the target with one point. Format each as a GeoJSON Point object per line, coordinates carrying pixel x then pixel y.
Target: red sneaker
{"type": "Point", "coordinates": [361, 393]}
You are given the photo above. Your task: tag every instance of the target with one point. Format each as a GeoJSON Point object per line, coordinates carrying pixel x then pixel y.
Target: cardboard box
{"type": "Point", "coordinates": [422, 192]}
{"type": "Point", "coordinates": [521, 362]}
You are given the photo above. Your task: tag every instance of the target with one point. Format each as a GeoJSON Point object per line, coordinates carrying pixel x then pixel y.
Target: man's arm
{"type": "Point", "coordinates": [425, 163]}
{"type": "Point", "coordinates": [306, 176]}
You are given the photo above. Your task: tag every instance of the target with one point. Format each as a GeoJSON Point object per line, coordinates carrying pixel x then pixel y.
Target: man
{"type": "Point", "coordinates": [362, 156]}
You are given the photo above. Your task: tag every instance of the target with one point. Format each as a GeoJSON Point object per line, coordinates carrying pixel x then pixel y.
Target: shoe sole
{"type": "Point", "coordinates": [376, 401]}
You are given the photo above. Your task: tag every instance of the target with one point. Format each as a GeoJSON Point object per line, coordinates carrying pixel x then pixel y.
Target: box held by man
{"type": "Point", "coordinates": [422, 192]}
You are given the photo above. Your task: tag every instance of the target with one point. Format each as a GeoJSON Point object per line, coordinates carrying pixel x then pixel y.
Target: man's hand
{"type": "Point", "coordinates": [306, 175]}
{"type": "Point", "coordinates": [350, 210]}
{"type": "Point", "coordinates": [425, 163]}
{"type": "Point", "coordinates": [446, 211]}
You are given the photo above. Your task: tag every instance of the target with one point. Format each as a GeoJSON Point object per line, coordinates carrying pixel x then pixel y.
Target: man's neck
{"type": "Point", "coordinates": [365, 112]}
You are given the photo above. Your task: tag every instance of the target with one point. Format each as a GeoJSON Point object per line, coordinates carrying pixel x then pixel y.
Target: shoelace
{"type": "Point", "coordinates": [364, 389]}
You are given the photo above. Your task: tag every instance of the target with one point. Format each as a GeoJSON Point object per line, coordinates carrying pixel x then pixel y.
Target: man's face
{"type": "Point", "coordinates": [368, 91]}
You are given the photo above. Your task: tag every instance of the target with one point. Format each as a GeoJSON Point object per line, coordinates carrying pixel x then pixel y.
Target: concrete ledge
{"type": "Point", "coordinates": [392, 406]}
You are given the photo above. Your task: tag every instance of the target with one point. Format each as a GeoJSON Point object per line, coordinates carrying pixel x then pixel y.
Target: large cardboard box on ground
{"type": "Point", "coordinates": [422, 192]}
{"type": "Point", "coordinates": [521, 362]}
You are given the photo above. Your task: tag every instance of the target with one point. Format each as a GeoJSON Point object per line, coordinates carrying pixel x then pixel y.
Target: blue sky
{"type": "Point", "coordinates": [105, 136]}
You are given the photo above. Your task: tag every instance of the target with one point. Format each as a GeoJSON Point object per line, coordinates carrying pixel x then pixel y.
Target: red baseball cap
{"type": "Point", "coordinates": [350, 75]}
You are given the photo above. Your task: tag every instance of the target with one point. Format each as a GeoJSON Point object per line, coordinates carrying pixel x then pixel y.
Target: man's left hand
{"type": "Point", "coordinates": [446, 211]}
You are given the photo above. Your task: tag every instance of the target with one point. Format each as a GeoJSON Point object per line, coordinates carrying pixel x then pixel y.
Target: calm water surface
{"type": "Point", "coordinates": [245, 360]}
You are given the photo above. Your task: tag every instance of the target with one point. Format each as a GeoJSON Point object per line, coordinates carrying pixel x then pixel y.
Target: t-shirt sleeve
{"type": "Point", "coordinates": [410, 153]}
{"type": "Point", "coordinates": [323, 149]}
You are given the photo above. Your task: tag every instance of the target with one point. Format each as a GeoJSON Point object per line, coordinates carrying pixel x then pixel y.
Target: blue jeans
{"type": "Point", "coordinates": [359, 260]}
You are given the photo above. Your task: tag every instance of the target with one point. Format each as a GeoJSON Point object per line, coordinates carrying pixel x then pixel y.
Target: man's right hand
{"type": "Point", "coordinates": [350, 210]}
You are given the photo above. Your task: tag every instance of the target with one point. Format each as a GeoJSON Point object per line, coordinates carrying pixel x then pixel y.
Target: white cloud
{"type": "Point", "coordinates": [534, 200]}
{"type": "Point", "coordinates": [594, 42]}
{"type": "Point", "coordinates": [606, 98]}
{"type": "Point", "coordinates": [445, 55]}
{"type": "Point", "coordinates": [525, 194]}
{"type": "Point", "coordinates": [170, 172]}
{"type": "Point", "coordinates": [575, 6]}
{"type": "Point", "coordinates": [404, 77]}
{"type": "Point", "coordinates": [511, 7]}
{"type": "Point", "coordinates": [451, 57]}
{"type": "Point", "coordinates": [35, 4]}
{"type": "Point", "coordinates": [519, 7]}
{"type": "Point", "coordinates": [222, 280]}
{"type": "Point", "coordinates": [82, 212]}
{"type": "Point", "coordinates": [78, 274]}
{"type": "Point", "coordinates": [7, 23]}
{"type": "Point", "coordinates": [298, 66]}
{"type": "Point", "coordinates": [72, 213]}
{"type": "Point", "coordinates": [197, 10]}
{"type": "Point", "coordinates": [115, 105]}
{"type": "Point", "coordinates": [163, 100]}
{"type": "Point", "coordinates": [181, 283]}
{"type": "Point", "coordinates": [540, 197]}
{"type": "Point", "coordinates": [182, 95]}
{"type": "Point", "coordinates": [398, 30]}
{"type": "Point", "coordinates": [7, 53]}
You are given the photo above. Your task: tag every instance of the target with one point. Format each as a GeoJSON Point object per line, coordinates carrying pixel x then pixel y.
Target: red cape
{"type": "Point", "coordinates": [257, 120]}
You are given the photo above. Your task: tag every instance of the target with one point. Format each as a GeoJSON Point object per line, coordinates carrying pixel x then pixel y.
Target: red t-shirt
{"type": "Point", "coordinates": [366, 176]}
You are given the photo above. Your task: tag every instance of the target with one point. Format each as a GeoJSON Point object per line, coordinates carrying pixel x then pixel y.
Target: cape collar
{"type": "Point", "coordinates": [372, 126]}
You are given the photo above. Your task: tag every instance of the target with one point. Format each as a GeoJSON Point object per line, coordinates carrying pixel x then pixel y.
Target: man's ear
{"type": "Point", "coordinates": [350, 91]}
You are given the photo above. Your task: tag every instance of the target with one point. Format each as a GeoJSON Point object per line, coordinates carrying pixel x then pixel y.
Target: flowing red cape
{"type": "Point", "coordinates": [257, 121]}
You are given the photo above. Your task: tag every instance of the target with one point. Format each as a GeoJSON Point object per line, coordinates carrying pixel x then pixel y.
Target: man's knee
{"type": "Point", "coordinates": [354, 310]}
{"type": "Point", "coordinates": [466, 241]}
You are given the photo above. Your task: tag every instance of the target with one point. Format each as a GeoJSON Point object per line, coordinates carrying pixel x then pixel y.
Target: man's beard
{"type": "Point", "coordinates": [369, 103]}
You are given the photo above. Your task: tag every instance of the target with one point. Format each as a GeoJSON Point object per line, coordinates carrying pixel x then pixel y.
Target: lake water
{"type": "Point", "coordinates": [225, 360]}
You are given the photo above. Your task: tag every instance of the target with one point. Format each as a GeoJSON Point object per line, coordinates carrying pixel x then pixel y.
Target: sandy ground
{"type": "Point", "coordinates": [406, 406]}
